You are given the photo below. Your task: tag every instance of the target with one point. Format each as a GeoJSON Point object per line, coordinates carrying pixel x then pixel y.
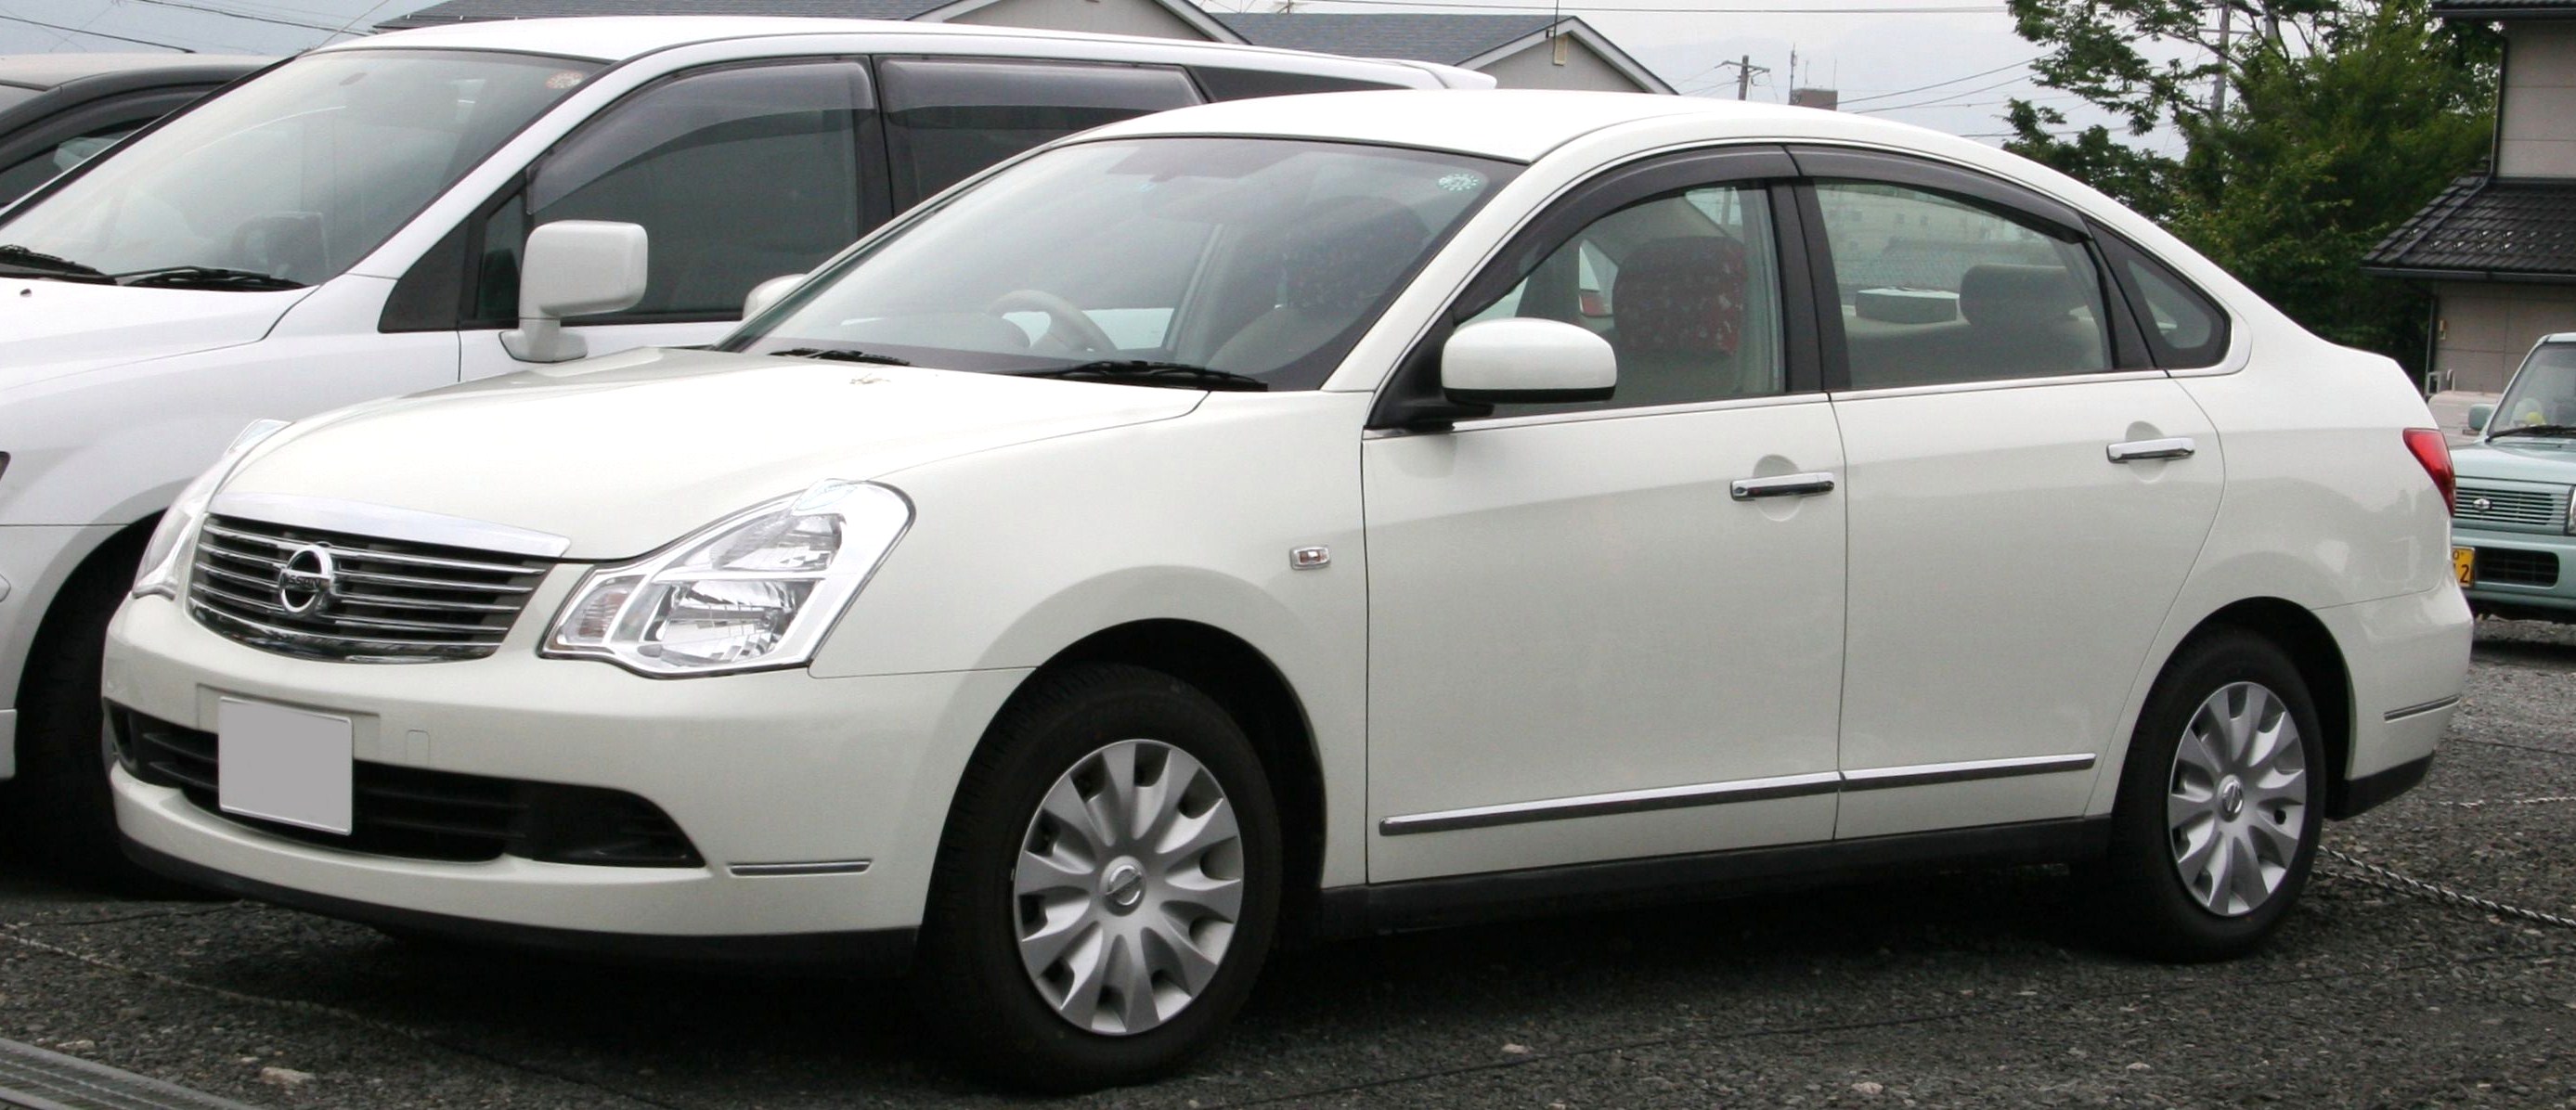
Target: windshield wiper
{"type": "Point", "coordinates": [1139, 371]}
{"type": "Point", "coordinates": [843, 354]}
{"type": "Point", "coordinates": [206, 277]}
{"type": "Point", "coordinates": [32, 263]}
{"type": "Point", "coordinates": [2534, 430]}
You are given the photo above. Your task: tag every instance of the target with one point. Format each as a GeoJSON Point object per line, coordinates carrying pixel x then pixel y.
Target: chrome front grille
{"type": "Point", "coordinates": [332, 595]}
{"type": "Point", "coordinates": [2518, 508]}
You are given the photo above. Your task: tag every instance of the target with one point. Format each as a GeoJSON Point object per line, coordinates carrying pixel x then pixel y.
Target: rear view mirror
{"type": "Point", "coordinates": [2478, 417]}
{"type": "Point", "coordinates": [1523, 361]}
{"type": "Point", "coordinates": [768, 293]}
{"type": "Point", "coordinates": [574, 268]}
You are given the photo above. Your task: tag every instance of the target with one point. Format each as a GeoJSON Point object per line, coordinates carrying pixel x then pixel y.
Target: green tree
{"type": "Point", "coordinates": [2340, 120]}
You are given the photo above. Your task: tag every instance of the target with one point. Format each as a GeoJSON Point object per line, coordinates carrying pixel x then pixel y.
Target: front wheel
{"type": "Point", "coordinates": [1108, 885]}
{"type": "Point", "coordinates": [2221, 803]}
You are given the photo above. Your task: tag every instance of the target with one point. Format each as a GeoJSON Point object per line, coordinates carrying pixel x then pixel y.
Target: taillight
{"type": "Point", "coordinates": [2435, 453]}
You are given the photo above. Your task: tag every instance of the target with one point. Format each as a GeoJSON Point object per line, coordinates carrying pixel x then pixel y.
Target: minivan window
{"type": "Point", "coordinates": [40, 166]}
{"type": "Point", "coordinates": [736, 175]}
{"type": "Point", "coordinates": [299, 173]}
{"type": "Point", "coordinates": [1936, 290]}
{"type": "Point", "coordinates": [948, 118]}
{"type": "Point", "coordinates": [1258, 257]}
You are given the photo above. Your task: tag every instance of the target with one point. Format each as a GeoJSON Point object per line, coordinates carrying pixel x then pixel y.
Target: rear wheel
{"type": "Point", "coordinates": [1108, 885]}
{"type": "Point", "coordinates": [2220, 805]}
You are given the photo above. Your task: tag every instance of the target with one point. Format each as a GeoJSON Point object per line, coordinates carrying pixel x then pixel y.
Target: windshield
{"type": "Point", "coordinates": [1258, 257]}
{"type": "Point", "coordinates": [297, 174]}
{"type": "Point", "coordinates": [2543, 393]}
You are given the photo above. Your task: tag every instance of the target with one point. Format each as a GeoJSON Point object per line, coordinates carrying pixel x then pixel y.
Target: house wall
{"type": "Point", "coordinates": [2485, 329]}
{"type": "Point", "coordinates": [1536, 68]}
{"type": "Point", "coordinates": [1109, 17]}
{"type": "Point", "coordinates": [2536, 131]}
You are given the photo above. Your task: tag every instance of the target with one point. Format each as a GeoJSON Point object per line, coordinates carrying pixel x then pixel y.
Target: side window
{"type": "Point", "coordinates": [1936, 290]}
{"type": "Point", "coordinates": [22, 178]}
{"type": "Point", "coordinates": [1240, 84]}
{"type": "Point", "coordinates": [1684, 286]}
{"type": "Point", "coordinates": [2185, 328]}
{"type": "Point", "coordinates": [948, 118]}
{"type": "Point", "coordinates": [737, 175]}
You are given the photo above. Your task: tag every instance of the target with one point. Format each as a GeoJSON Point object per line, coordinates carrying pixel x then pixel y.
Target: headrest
{"type": "Point", "coordinates": [1993, 295]}
{"type": "Point", "coordinates": [1344, 253]}
{"type": "Point", "coordinates": [1684, 294]}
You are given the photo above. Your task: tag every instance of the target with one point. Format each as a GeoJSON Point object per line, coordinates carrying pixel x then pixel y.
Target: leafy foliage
{"type": "Point", "coordinates": [2341, 119]}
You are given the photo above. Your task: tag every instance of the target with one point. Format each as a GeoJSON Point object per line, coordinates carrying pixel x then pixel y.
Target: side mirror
{"type": "Point", "coordinates": [1523, 361]}
{"type": "Point", "coordinates": [2478, 417]}
{"type": "Point", "coordinates": [768, 293]}
{"type": "Point", "coordinates": [573, 268]}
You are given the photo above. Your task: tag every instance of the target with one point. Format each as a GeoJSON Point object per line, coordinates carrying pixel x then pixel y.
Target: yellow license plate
{"type": "Point", "coordinates": [2464, 565]}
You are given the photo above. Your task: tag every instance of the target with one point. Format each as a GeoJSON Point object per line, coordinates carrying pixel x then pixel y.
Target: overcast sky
{"type": "Point", "coordinates": [1873, 52]}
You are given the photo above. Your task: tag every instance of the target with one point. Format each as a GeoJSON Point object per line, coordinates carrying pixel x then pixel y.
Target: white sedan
{"type": "Point", "coordinates": [1313, 516]}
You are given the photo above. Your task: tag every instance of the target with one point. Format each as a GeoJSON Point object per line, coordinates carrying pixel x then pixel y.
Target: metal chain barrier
{"type": "Point", "coordinates": [2371, 874]}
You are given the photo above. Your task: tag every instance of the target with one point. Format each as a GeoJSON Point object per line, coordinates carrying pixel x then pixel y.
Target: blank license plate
{"type": "Point", "coordinates": [284, 765]}
{"type": "Point", "coordinates": [2464, 565]}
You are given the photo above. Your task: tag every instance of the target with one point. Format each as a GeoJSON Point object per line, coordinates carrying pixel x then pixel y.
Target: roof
{"type": "Point", "coordinates": [476, 11]}
{"type": "Point", "coordinates": [2486, 229]}
{"type": "Point", "coordinates": [44, 71]}
{"type": "Point", "coordinates": [1446, 38]}
{"type": "Point", "coordinates": [2505, 9]}
{"type": "Point", "coordinates": [1443, 38]}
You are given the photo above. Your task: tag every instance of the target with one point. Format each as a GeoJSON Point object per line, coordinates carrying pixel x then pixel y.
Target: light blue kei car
{"type": "Point", "coordinates": [2513, 530]}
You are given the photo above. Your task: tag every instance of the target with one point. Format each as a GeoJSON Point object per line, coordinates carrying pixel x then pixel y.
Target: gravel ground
{"type": "Point", "coordinates": [1949, 990]}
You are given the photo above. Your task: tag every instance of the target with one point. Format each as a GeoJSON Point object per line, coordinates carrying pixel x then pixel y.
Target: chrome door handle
{"type": "Point", "coordinates": [1786, 485]}
{"type": "Point", "coordinates": [2143, 450]}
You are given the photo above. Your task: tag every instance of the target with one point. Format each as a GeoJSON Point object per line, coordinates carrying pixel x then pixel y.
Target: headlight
{"type": "Point", "coordinates": [756, 590]}
{"type": "Point", "coordinates": [160, 573]}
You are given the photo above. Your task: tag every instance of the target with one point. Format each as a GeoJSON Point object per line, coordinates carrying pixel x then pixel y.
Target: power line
{"type": "Point", "coordinates": [1952, 81]}
{"type": "Point", "coordinates": [1939, 101]}
{"type": "Point", "coordinates": [94, 34]}
{"type": "Point", "coordinates": [181, 4]}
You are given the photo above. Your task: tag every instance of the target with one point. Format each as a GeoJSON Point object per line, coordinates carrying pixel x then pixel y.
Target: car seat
{"type": "Point", "coordinates": [1679, 308]}
{"type": "Point", "coordinates": [1335, 258]}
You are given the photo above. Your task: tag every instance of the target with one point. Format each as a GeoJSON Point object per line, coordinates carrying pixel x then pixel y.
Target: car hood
{"type": "Point", "coordinates": [49, 329]}
{"type": "Point", "coordinates": [2518, 459]}
{"type": "Point", "coordinates": [623, 454]}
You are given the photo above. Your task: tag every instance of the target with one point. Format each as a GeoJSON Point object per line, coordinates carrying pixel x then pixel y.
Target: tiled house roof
{"type": "Point", "coordinates": [2505, 9]}
{"type": "Point", "coordinates": [2485, 229]}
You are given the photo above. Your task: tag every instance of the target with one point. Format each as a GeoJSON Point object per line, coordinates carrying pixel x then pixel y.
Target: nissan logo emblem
{"type": "Point", "coordinates": [2482, 504]}
{"type": "Point", "coordinates": [307, 579]}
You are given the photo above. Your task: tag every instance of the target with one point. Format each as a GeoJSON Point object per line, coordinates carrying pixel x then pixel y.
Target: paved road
{"type": "Point", "coordinates": [1960, 990]}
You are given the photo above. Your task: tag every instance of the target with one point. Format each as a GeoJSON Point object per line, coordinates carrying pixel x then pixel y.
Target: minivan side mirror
{"type": "Point", "coordinates": [768, 293]}
{"type": "Point", "coordinates": [574, 268]}
{"type": "Point", "coordinates": [2478, 417]}
{"type": "Point", "coordinates": [1526, 361]}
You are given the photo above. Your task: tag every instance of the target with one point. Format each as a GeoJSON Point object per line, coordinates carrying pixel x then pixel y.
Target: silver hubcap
{"type": "Point", "coordinates": [2237, 803]}
{"type": "Point", "coordinates": [1128, 887]}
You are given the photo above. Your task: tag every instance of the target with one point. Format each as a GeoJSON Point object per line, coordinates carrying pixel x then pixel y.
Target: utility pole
{"type": "Point", "coordinates": [1744, 71]}
{"type": "Point", "coordinates": [2218, 85]}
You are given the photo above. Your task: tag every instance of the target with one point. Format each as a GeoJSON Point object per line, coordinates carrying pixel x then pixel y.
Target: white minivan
{"type": "Point", "coordinates": [351, 225]}
{"type": "Point", "coordinates": [1327, 555]}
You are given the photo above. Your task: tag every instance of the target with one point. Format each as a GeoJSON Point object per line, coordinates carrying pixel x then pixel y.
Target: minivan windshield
{"type": "Point", "coordinates": [2542, 398]}
{"type": "Point", "coordinates": [1191, 262]}
{"type": "Point", "coordinates": [296, 175]}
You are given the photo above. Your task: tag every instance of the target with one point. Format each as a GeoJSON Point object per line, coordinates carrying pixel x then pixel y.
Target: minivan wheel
{"type": "Point", "coordinates": [1108, 885]}
{"type": "Point", "coordinates": [2220, 805]}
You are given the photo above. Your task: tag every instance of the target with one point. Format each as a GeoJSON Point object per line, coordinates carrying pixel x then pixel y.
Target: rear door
{"type": "Point", "coordinates": [2026, 495]}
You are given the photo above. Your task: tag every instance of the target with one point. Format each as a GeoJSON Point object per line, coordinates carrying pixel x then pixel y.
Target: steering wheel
{"type": "Point", "coordinates": [1065, 323]}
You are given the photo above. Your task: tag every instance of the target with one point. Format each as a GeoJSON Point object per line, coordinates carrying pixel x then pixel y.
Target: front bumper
{"type": "Point", "coordinates": [763, 772]}
{"type": "Point", "coordinates": [2521, 573]}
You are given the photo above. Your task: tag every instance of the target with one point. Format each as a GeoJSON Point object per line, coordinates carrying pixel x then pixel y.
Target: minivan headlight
{"type": "Point", "coordinates": [159, 576]}
{"type": "Point", "coordinates": [753, 591]}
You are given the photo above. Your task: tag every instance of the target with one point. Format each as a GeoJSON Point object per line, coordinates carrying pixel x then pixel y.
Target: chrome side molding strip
{"type": "Point", "coordinates": [819, 867]}
{"type": "Point", "coordinates": [360, 518]}
{"type": "Point", "coordinates": [1729, 793]}
{"type": "Point", "coordinates": [2420, 710]}
{"type": "Point", "coordinates": [1625, 801]}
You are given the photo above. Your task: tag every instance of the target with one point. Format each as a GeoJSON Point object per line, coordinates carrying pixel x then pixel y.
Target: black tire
{"type": "Point", "coordinates": [967, 976]}
{"type": "Point", "coordinates": [2146, 904]}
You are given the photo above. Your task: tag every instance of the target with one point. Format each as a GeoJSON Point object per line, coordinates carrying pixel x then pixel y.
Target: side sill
{"type": "Point", "coordinates": [878, 951]}
{"type": "Point", "coordinates": [1587, 887]}
{"type": "Point", "coordinates": [2369, 792]}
